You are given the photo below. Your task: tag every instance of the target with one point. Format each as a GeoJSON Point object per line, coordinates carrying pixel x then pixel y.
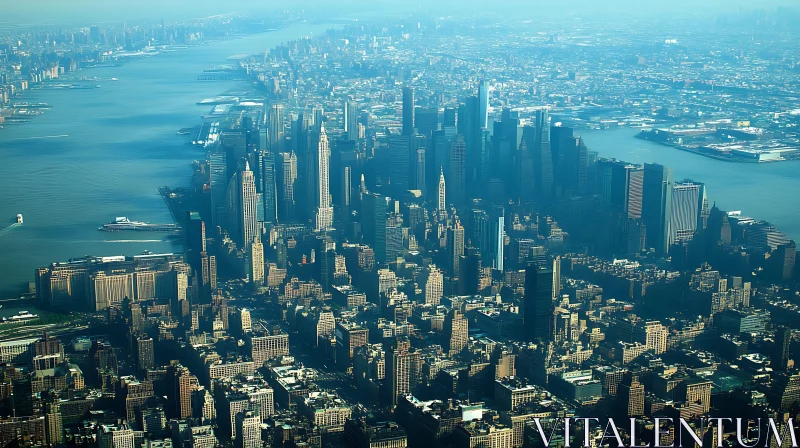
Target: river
{"type": "Point", "coordinates": [766, 191]}
{"type": "Point", "coordinates": [102, 153]}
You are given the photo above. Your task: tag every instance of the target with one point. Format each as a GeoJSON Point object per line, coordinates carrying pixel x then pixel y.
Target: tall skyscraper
{"type": "Point", "coordinates": [233, 213]}
{"type": "Point", "coordinates": [432, 283]}
{"type": "Point", "coordinates": [780, 353]}
{"type": "Point", "coordinates": [276, 128]}
{"type": "Point", "coordinates": [408, 110]}
{"type": "Point", "coordinates": [483, 104]}
{"type": "Point", "coordinates": [351, 120]}
{"type": "Point", "coordinates": [418, 154]}
{"type": "Point", "coordinates": [218, 179]}
{"type": "Point", "coordinates": [399, 162]}
{"type": "Point", "coordinates": [556, 278]}
{"type": "Point", "coordinates": [538, 302]}
{"type": "Point", "coordinates": [267, 186]}
{"type": "Point", "coordinates": [687, 204]}
{"type": "Point", "coordinates": [349, 336]}
{"type": "Point", "coordinates": [394, 237]}
{"type": "Point", "coordinates": [441, 200]}
{"type": "Point", "coordinates": [635, 184]}
{"type": "Point", "coordinates": [543, 157]}
{"type": "Point", "coordinates": [630, 396]}
{"type": "Point", "coordinates": [289, 176]}
{"type": "Point", "coordinates": [657, 206]}
{"type": "Point", "coordinates": [249, 218]}
{"type": "Point", "coordinates": [373, 224]}
{"type": "Point", "coordinates": [455, 247]}
{"type": "Point", "coordinates": [145, 353]}
{"type": "Point", "coordinates": [458, 171]}
{"type": "Point", "coordinates": [498, 239]}
{"type": "Point", "coordinates": [256, 263]}
{"type": "Point", "coordinates": [324, 216]}
{"type": "Point", "coordinates": [456, 332]}
{"type": "Point", "coordinates": [403, 370]}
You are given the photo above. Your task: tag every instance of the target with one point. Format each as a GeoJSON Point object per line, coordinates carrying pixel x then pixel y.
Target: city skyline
{"type": "Point", "coordinates": [409, 232]}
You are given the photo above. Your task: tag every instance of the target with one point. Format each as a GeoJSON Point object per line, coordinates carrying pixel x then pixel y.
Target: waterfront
{"type": "Point", "coordinates": [102, 153]}
{"type": "Point", "coordinates": [766, 191]}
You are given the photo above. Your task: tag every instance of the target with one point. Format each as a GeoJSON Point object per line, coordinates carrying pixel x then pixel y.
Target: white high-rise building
{"type": "Point", "coordinates": [441, 203]}
{"type": "Point", "coordinates": [247, 322]}
{"type": "Point", "coordinates": [256, 263]}
{"type": "Point", "coordinates": [115, 437]}
{"type": "Point", "coordinates": [324, 209]}
{"type": "Point", "coordinates": [556, 277]}
{"type": "Point", "coordinates": [434, 285]}
{"type": "Point", "coordinates": [249, 212]}
{"type": "Point", "coordinates": [248, 430]}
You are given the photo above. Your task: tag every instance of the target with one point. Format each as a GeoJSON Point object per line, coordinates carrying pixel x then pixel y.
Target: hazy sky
{"type": "Point", "coordinates": [61, 12]}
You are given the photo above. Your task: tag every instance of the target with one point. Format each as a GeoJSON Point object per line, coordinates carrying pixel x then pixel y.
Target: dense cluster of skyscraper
{"type": "Point", "coordinates": [440, 274]}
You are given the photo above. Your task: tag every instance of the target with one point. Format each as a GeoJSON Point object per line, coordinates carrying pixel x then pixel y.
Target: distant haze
{"type": "Point", "coordinates": [59, 12]}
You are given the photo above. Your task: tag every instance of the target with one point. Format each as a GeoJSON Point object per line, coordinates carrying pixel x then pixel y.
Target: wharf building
{"type": "Point", "coordinates": [96, 283]}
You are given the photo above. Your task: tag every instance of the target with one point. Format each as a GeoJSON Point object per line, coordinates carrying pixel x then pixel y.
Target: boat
{"type": "Point", "coordinates": [122, 223]}
{"type": "Point", "coordinates": [23, 315]}
{"type": "Point", "coordinates": [19, 218]}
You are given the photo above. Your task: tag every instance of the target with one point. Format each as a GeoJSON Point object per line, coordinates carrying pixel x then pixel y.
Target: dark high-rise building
{"type": "Point", "coordinates": [785, 256]}
{"type": "Point", "coordinates": [408, 110]}
{"type": "Point", "coordinates": [538, 302]}
{"type": "Point", "coordinates": [276, 128]}
{"type": "Point", "coordinates": [543, 156]}
{"type": "Point", "coordinates": [449, 117]}
{"type": "Point", "coordinates": [780, 351]}
{"type": "Point", "coordinates": [469, 271]}
{"type": "Point", "coordinates": [418, 156]}
{"type": "Point", "coordinates": [267, 186]}
{"type": "Point", "coordinates": [426, 121]}
{"type": "Point", "coordinates": [349, 336]}
{"type": "Point", "coordinates": [657, 205]}
{"type": "Point", "coordinates": [287, 204]}
{"type": "Point", "coordinates": [455, 248]}
{"type": "Point", "coordinates": [195, 238]}
{"type": "Point", "coordinates": [400, 162]}
{"type": "Point", "coordinates": [218, 181]}
{"type": "Point", "coordinates": [456, 179]}
{"type": "Point", "coordinates": [145, 354]}
{"type": "Point", "coordinates": [373, 224]}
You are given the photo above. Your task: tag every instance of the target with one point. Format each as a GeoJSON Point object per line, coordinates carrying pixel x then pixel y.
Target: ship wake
{"type": "Point", "coordinates": [9, 228]}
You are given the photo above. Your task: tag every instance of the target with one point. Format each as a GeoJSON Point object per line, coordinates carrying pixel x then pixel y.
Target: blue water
{"type": "Point", "coordinates": [121, 145]}
{"type": "Point", "coordinates": [767, 191]}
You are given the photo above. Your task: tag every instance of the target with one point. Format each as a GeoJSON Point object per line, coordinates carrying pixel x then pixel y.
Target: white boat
{"type": "Point", "coordinates": [19, 218]}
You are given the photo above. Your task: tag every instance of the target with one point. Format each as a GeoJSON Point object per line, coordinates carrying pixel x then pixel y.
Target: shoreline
{"type": "Point", "coordinates": [700, 153]}
{"type": "Point", "coordinates": [117, 62]}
